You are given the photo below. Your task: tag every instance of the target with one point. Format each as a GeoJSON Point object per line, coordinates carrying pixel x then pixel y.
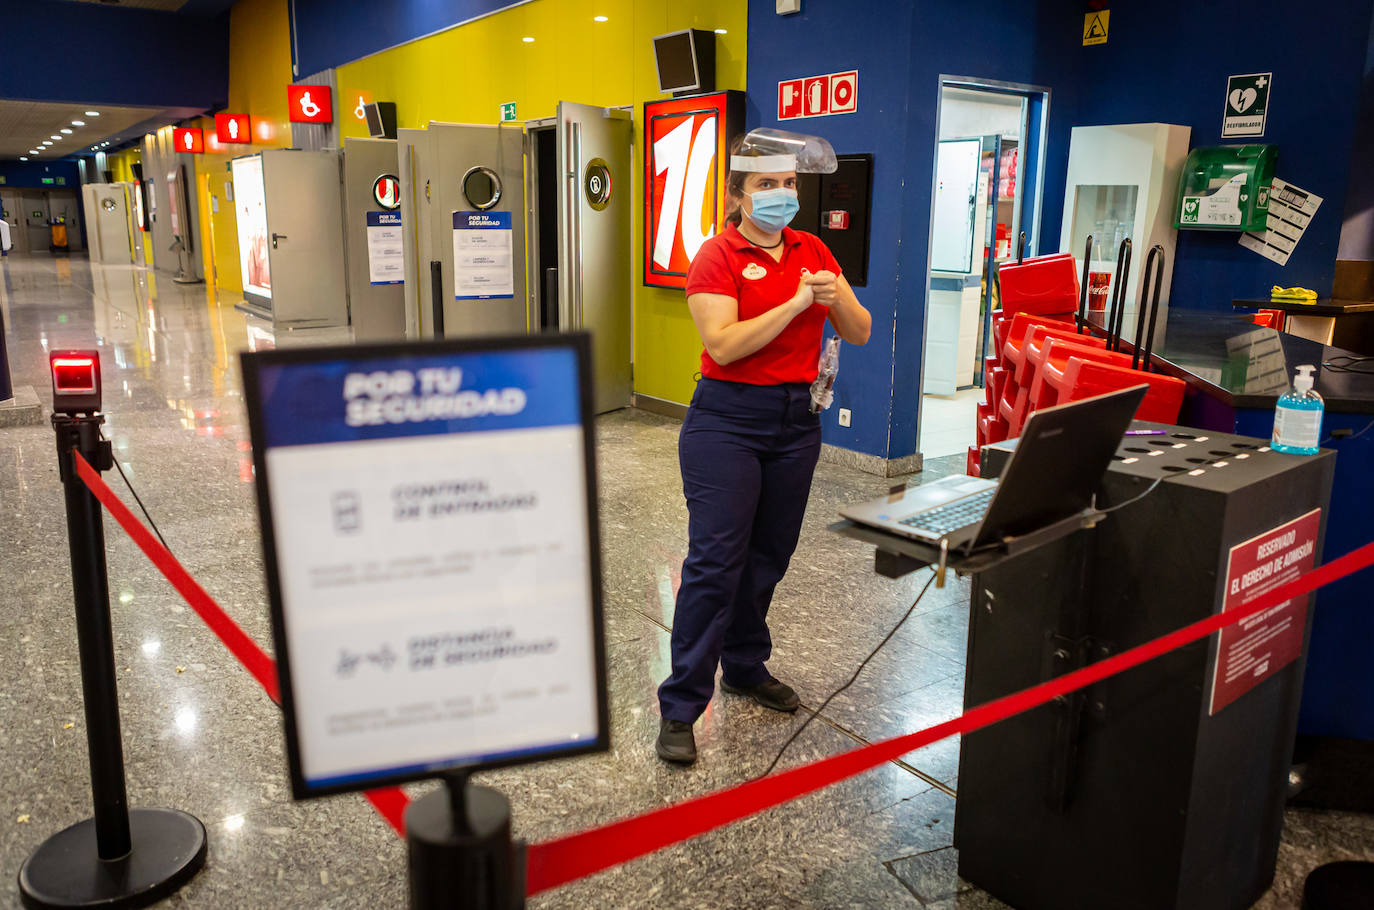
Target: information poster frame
{"type": "Point", "coordinates": [254, 365]}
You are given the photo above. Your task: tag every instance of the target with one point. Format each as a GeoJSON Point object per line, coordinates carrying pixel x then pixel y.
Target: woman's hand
{"type": "Point", "coordinates": [804, 297]}
{"type": "Point", "coordinates": [824, 287]}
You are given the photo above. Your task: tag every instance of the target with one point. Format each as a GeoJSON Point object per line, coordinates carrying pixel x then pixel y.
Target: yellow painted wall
{"type": "Point", "coordinates": [259, 72]}
{"type": "Point", "coordinates": [466, 73]}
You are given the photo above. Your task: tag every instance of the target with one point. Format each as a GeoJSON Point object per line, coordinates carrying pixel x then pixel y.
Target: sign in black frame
{"type": "Point", "coordinates": [580, 344]}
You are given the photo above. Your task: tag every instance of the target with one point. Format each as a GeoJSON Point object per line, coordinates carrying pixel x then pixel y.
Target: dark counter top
{"type": "Point", "coordinates": [1322, 306]}
{"type": "Point", "coordinates": [1248, 366]}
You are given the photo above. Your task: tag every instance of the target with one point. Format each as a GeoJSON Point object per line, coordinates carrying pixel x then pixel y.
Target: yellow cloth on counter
{"type": "Point", "coordinates": [1297, 295]}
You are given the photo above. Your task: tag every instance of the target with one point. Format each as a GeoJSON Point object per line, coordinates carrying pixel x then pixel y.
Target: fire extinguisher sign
{"type": "Point", "coordinates": [818, 96]}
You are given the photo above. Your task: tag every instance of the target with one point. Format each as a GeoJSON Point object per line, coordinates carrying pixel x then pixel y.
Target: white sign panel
{"type": "Point", "coordinates": [386, 262]}
{"type": "Point", "coordinates": [431, 556]}
{"type": "Point", "coordinates": [1247, 105]}
{"type": "Point", "coordinates": [483, 244]}
{"type": "Point", "coordinates": [1290, 212]}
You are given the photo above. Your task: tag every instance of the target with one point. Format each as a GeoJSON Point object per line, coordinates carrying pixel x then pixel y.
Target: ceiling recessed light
{"type": "Point", "coordinates": [78, 123]}
{"type": "Point", "coordinates": [64, 131]}
{"type": "Point", "coordinates": [93, 113]}
{"type": "Point", "coordinates": [527, 39]}
{"type": "Point", "coordinates": [55, 137]}
{"type": "Point", "coordinates": [23, 157]}
{"type": "Point", "coordinates": [721, 31]}
{"type": "Point", "coordinates": [600, 19]}
{"type": "Point", "coordinates": [47, 142]}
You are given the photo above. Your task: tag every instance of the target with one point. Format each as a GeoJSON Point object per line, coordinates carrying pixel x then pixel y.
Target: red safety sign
{"type": "Point", "coordinates": [232, 128]}
{"type": "Point", "coordinates": [189, 139]}
{"type": "Point", "coordinates": [386, 190]}
{"type": "Point", "coordinates": [310, 104]}
{"type": "Point", "coordinates": [819, 96]}
{"type": "Point", "coordinates": [1254, 649]}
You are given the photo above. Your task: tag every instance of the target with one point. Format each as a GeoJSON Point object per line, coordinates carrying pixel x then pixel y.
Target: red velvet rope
{"type": "Point", "coordinates": [565, 859]}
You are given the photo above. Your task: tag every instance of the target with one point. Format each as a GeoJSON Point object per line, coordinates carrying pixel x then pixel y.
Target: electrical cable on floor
{"type": "Point", "coordinates": [814, 714]}
{"type": "Point", "coordinates": [141, 506]}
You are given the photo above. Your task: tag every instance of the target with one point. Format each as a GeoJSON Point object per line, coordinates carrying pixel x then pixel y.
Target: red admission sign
{"type": "Point", "coordinates": [1253, 650]}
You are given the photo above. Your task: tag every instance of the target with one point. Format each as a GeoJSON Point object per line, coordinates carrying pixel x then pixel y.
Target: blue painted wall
{"type": "Point", "coordinates": [86, 53]}
{"type": "Point", "coordinates": [31, 173]}
{"type": "Point", "coordinates": [1167, 61]}
{"type": "Point", "coordinates": [900, 50]}
{"type": "Point", "coordinates": [332, 32]}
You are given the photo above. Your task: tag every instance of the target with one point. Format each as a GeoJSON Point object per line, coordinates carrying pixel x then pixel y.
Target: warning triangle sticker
{"type": "Point", "coordinates": [1095, 29]}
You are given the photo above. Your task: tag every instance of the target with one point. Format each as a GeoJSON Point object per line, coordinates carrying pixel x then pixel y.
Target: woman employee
{"type": "Point", "coordinates": [760, 294]}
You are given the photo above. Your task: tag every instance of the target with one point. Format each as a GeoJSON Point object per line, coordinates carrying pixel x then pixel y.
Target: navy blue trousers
{"type": "Point", "coordinates": [747, 453]}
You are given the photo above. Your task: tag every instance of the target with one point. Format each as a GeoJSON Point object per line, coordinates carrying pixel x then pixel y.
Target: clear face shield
{"type": "Point", "coordinates": [770, 151]}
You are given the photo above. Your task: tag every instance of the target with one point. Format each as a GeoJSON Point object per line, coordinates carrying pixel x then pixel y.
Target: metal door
{"type": "Point", "coordinates": [481, 170]}
{"type": "Point", "coordinates": [35, 216]}
{"type": "Point", "coordinates": [303, 200]}
{"type": "Point", "coordinates": [108, 231]}
{"type": "Point", "coordinates": [12, 205]}
{"type": "Point", "coordinates": [595, 262]}
{"type": "Point", "coordinates": [377, 306]}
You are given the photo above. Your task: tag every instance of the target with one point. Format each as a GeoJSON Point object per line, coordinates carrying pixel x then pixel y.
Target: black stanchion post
{"type": "Point", "coordinates": [120, 857]}
{"type": "Point", "coordinates": [6, 387]}
{"type": "Point", "coordinates": [461, 852]}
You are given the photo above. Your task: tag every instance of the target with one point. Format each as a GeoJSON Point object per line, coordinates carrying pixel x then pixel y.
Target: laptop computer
{"type": "Point", "coordinates": [1054, 472]}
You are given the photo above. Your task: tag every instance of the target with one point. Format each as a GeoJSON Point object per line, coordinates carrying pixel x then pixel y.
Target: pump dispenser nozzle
{"type": "Point", "coordinates": [1303, 381]}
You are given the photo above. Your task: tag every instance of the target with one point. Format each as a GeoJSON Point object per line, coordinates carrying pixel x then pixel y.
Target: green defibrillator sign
{"type": "Point", "coordinates": [1247, 105]}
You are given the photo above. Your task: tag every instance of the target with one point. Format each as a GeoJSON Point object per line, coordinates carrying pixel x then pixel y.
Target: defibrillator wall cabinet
{"type": "Point", "coordinates": [288, 205]}
{"type": "Point", "coordinates": [1226, 188]}
{"type": "Point", "coordinates": [1121, 184]}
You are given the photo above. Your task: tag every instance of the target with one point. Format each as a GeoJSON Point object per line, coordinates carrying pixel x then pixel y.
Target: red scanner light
{"type": "Point", "coordinates": [75, 381]}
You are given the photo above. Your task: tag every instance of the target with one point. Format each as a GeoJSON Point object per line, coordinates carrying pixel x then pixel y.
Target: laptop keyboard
{"type": "Point", "coordinates": [951, 516]}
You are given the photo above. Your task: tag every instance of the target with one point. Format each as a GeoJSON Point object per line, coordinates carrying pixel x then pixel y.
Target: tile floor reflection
{"type": "Point", "coordinates": [201, 736]}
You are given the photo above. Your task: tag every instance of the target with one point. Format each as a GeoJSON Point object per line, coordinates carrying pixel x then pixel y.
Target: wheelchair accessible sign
{"type": "Point", "coordinates": [432, 555]}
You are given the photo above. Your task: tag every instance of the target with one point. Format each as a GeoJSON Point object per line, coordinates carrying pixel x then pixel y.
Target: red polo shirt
{"type": "Point", "coordinates": [729, 264]}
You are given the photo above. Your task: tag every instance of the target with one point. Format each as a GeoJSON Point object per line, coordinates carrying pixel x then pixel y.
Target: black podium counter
{"type": "Point", "coordinates": [1236, 372]}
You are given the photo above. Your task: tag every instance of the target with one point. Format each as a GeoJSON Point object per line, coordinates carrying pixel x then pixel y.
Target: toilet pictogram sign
{"type": "Point", "coordinates": [310, 103]}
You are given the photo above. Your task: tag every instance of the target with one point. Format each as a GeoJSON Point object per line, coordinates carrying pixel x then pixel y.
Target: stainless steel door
{"type": "Point", "coordinates": [303, 198]}
{"type": "Point", "coordinates": [377, 310]}
{"type": "Point", "coordinates": [595, 260]}
{"type": "Point", "coordinates": [458, 154]}
{"type": "Point", "coordinates": [108, 230]}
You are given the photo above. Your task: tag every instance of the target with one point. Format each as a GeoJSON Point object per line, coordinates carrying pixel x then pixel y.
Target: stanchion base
{"type": "Point", "coordinates": [169, 848]}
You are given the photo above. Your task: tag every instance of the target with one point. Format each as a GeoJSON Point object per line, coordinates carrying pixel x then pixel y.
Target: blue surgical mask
{"type": "Point", "coordinates": [773, 209]}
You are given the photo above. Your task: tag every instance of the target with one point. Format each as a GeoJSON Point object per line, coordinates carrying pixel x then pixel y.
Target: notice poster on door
{"type": "Point", "coordinates": [386, 262]}
{"type": "Point", "coordinates": [483, 248]}
{"type": "Point", "coordinates": [1256, 648]}
{"type": "Point", "coordinates": [431, 555]}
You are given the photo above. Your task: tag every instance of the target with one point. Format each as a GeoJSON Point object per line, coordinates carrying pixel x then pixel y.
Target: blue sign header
{"type": "Point", "coordinates": [481, 221]}
{"type": "Point", "coordinates": [435, 394]}
{"type": "Point", "coordinates": [383, 219]}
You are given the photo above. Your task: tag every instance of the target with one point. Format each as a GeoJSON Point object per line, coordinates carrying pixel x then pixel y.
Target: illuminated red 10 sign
{"type": "Point", "coordinates": [685, 170]}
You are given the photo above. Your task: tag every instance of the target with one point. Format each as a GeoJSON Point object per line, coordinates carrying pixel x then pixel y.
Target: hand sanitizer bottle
{"type": "Point", "coordinates": [1298, 417]}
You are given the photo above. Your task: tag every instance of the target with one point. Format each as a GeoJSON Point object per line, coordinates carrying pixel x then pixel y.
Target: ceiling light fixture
{"type": "Point", "coordinates": [64, 131]}
{"type": "Point", "coordinates": [55, 137]}
{"type": "Point", "coordinates": [78, 123]}
{"type": "Point", "coordinates": [47, 142]}
{"type": "Point", "coordinates": [23, 157]}
{"type": "Point", "coordinates": [93, 113]}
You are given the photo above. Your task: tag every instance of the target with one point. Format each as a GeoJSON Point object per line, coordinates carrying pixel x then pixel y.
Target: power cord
{"type": "Point", "coordinates": [1139, 496]}
{"type": "Point", "coordinates": [1349, 363]}
{"type": "Point", "coordinates": [871, 654]}
{"type": "Point", "coordinates": [1346, 434]}
{"type": "Point", "coordinates": [141, 506]}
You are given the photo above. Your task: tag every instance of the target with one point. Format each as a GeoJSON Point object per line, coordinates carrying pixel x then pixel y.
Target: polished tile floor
{"type": "Point", "coordinates": [201, 736]}
{"type": "Point", "coordinates": [949, 422]}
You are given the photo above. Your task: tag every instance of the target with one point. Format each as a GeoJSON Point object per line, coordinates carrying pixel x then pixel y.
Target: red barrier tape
{"type": "Point", "coordinates": [575, 856]}
{"type": "Point", "coordinates": [390, 802]}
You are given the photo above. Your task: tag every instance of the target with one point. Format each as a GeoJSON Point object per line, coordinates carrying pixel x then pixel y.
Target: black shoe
{"type": "Point", "coordinates": [676, 743]}
{"type": "Point", "coordinates": [771, 694]}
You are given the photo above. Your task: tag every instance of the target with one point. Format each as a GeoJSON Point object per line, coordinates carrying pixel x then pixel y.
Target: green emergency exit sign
{"type": "Point", "coordinates": [508, 112]}
{"type": "Point", "coordinates": [47, 180]}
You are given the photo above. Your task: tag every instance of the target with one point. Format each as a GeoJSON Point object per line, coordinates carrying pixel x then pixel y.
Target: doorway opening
{"type": "Point", "coordinates": [986, 194]}
{"type": "Point", "coordinates": [544, 220]}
